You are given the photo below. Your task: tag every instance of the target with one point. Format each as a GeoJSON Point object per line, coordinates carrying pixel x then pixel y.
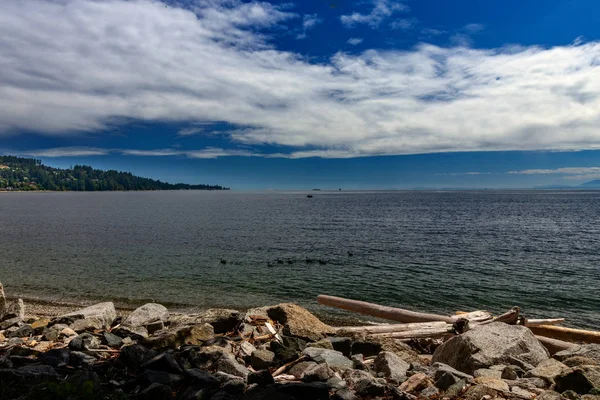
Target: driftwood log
{"type": "Point", "coordinates": [566, 334]}
{"type": "Point", "coordinates": [392, 313]}
{"type": "Point", "coordinates": [554, 345]}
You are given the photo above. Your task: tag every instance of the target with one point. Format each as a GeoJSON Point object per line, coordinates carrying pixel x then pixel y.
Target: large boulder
{"type": "Point", "coordinates": [103, 312]}
{"type": "Point", "coordinates": [590, 351]}
{"type": "Point", "coordinates": [299, 322]}
{"type": "Point", "coordinates": [580, 380]}
{"type": "Point", "coordinates": [392, 367]}
{"type": "Point", "coordinates": [334, 359]}
{"type": "Point", "coordinates": [548, 370]}
{"type": "Point", "coordinates": [491, 344]}
{"type": "Point", "coordinates": [147, 314]}
{"type": "Point", "coordinates": [222, 320]}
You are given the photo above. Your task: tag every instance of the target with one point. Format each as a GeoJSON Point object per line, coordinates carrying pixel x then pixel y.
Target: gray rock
{"type": "Point", "coordinates": [317, 373]}
{"type": "Point", "coordinates": [261, 378]}
{"type": "Point", "coordinates": [580, 379]}
{"type": "Point", "coordinates": [578, 361]}
{"type": "Point", "coordinates": [299, 322]}
{"type": "Point", "coordinates": [523, 393]}
{"type": "Point", "coordinates": [157, 391]}
{"type": "Point", "coordinates": [14, 309]}
{"type": "Point", "coordinates": [163, 362]}
{"type": "Point", "coordinates": [334, 359]}
{"type": "Point", "coordinates": [55, 357]}
{"type": "Point", "coordinates": [303, 390]}
{"type": "Point", "coordinates": [445, 376]}
{"type": "Point", "coordinates": [24, 331]}
{"type": "Point", "coordinates": [323, 344]}
{"type": "Point", "coordinates": [489, 345]}
{"type": "Point", "coordinates": [353, 376]}
{"type": "Point", "coordinates": [234, 387]}
{"type": "Point", "coordinates": [374, 387]}
{"type": "Point", "coordinates": [103, 312]}
{"type": "Point", "coordinates": [37, 372]}
{"type": "Point", "coordinates": [298, 369]}
{"type": "Point", "coordinates": [591, 351]}
{"type": "Point", "coordinates": [489, 372]}
{"type": "Point", "coordinates": [181, 335]}
{"type": "Point", "coordinates": [9, 322]}
{"type": "Point", "coordinates": [336, 383]}
{"type": "Point", "coordinates": [202, 378]}
{"type": "Point", "coordinates": [85, 341]}
{"type": "Point", "coordinates": [392, 367]}
{"type": "Point", "coordinates": [15, 341]}
{"type": "Point", "coordinates": [345, 394]}
{"type": "Point", "coordinates": [456, 389]}
{"type": "Point", "coordinates": [146, 314]}
{"type": "Point", "coordinates": [358, 362]}
{"type": "Point", "coordinates": [262, 359]}
{"type": "Point", "coordinates": [429, 392]}
{"type": "Point", "coordinates": [80, 359]}
{"type": "Point", "coordinates": [228, 364]}
{"type": "Point", "coordinates": [161, 377]}
{"type": "Point", "coordinates": [547, 370]}
{"type": "Point", "coordinates": [289, 349]}
{"type": "Point", "coordinates": [135, 355]}
{"type": "Point", "coordinates": [342, 344]}
{"type": "Point", "coordinates": [550, 395]}
{"type": "Point", "coordinates": [111, 340]}
{"type": "Point", "coordinates": [513, 372]}
{"type": "Point", "coordinates": [86, 325]}
{"type": "Point", "coordinates": [222, 320]}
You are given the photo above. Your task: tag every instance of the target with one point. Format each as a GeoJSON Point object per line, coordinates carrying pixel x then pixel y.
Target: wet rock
{"type": "Point", "coordinates": [163, 362]}
{"type": "Point", "coordinates": [416, 383]}
{"type": "Point", "coordinates": [135, 355]}
{"type": "Point", "coordinates": [591, 351]}
{"type": "Point", "coordinates": [261, 378]}
{"type": "Point", "coordinates": [299, 322]}
{"type": "Point", "coordinates": [341, 344]}
{"type": "Point", "coordinates": [85, 341]}
{"type": "Point", "coordinates": [23, 331]}
{"type": "Point", "coordinates": [489, 345]}
{"type": "Point", "coordinates": [580, 379]}
{"type": "Point", "coordinates": [162, 377]}
{"type": "Point", "coordinates": [548, 370]}
{"type": "Point", "coordinates": [86, 325]}
{"type": "Point", "coordinates": [492, 383]}
{"type": "Point", "coordinates": [262, 359]}
{"type": "Point", "coordinates": [103, 312]}
{"type": "Point", "coordinates": [334, 359]}
{"type": "Point", "coordinates": [178, 336]}
{"type": "Point", "coordinates": [317, 373]}
{"type": "Point", "coordinates": [228, 364]}
{"type": "Point", "coordinates": [445, 376]}
{"type": "Point", "coordinates": [578, 361]}
{"type": "Point", "coordinates": [202, 378]}
{"type": "Point", "coordinates": [392, 367]}
{"type": "Point", "coordinates": [157, 391]}
{"type": "Point", "coordinates": [80, 359]}
{"type": "Point", "coordinates": [146, 314]}
{"type": "Point", "coordinates": [111, 340]}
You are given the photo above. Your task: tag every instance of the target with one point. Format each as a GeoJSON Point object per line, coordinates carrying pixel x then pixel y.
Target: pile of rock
{"type": "Point", "coordinates": [278, 352]}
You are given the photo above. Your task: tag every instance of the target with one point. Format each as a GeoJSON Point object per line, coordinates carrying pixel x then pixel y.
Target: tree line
{"type": "Point", "coordinates": [18, 173]}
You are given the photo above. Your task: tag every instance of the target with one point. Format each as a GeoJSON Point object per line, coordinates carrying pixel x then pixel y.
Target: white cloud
{"type": "Point", "coordinates": [404, 24]}
{"type": "Point", "coordinates": [382, 9]}
{"type": "Point", "coordinates": [190, 131]}
{"type": "Point", "coordinates": [64, 152]}
{"type": "Point", "coordinates": [309, 21]}
{"type": "Point", "coordinates": [473, 28]}
{"type": "Point", "coordinates": [73, 66]}
{"type": "Point", "coordinates": [355, 41]}
{"type": "Point", "coordinates": [463, 173]}
{"type": "Point", "coordinates": [561, 171]}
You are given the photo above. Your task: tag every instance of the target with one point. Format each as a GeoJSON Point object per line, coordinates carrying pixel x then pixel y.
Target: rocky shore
{"type": "Point", "coordinates": [273, 352]}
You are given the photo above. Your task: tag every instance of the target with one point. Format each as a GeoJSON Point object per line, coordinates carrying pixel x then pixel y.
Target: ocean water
{"type": "Point", "coordinates": [430, 251]}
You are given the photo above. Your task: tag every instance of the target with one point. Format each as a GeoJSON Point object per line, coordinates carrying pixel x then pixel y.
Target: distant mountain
{"type": "Point", "coordinates": [591, 184]}
{"type": "Point", "coordinates": [552, 187]}
{"type": "Point", "coordinates": [21, 174]}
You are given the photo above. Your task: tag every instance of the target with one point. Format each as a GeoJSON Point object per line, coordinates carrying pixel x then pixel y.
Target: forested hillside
{"type": "Point", "coordinates": [17, 173]}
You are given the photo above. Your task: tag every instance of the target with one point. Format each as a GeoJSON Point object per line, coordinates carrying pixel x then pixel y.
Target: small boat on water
{"type": "Point", "coordinates": [309, 196]}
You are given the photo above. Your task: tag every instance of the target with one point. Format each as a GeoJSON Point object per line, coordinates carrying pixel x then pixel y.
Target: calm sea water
{"type": "Point", "coordinates": [430, 251]}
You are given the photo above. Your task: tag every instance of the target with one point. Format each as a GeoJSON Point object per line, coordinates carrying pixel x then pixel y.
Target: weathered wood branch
{"type": "Point", "coordinates": [566, 334]}
{"type": "Point", "coordinates": [554, 345]}
{"type": "Point", "coordinates": [390, 328]}
{"type": "Point", "coordinates": [548, 321]}
{"type": "Point", "coordinates": [375, 310]}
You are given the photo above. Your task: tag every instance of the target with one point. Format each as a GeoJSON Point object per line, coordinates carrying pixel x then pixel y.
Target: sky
{"type": "Point", "coordinates": [361, 94]}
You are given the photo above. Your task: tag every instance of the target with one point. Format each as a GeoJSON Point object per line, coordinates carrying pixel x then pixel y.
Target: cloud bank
{"type": "Point", "coordinates": [73, 66]}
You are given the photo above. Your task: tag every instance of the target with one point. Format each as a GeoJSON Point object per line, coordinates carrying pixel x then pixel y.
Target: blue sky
{"type": "Point", "coordinates": [373, 94]}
